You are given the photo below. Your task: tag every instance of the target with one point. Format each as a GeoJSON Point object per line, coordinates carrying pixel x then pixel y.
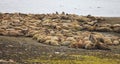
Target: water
{"type": "Point", "coordinates": [81, 7]}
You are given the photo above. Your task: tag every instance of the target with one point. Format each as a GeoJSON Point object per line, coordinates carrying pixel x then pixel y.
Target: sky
{"type": "Point", "coordinates": [80, 7]}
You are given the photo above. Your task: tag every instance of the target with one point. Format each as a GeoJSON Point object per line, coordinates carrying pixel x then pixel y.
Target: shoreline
{"type": "Point", "coordinates": [64, 12]}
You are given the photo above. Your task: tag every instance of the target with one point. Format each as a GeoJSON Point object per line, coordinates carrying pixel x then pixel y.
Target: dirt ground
{"type": "Point", "coordinates": [25, 50]}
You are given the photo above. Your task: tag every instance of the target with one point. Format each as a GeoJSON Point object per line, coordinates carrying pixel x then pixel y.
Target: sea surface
{"type": "Point", "coordinates": [108, 8]}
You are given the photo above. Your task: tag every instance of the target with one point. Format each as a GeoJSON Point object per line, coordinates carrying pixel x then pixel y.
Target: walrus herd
{"type": "Point", "coordinates": [61, 29]}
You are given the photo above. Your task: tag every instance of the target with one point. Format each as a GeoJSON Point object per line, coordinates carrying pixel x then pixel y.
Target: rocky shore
{"type": "Point", "coordinates": [61, 29]}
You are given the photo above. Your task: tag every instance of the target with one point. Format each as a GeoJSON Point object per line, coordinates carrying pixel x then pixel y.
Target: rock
{"type": "Point", "coordinates": [57, 52]}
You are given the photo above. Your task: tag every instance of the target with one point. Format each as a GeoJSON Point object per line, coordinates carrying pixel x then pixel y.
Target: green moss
{"type": "Point", "coordinates": [76, 59]}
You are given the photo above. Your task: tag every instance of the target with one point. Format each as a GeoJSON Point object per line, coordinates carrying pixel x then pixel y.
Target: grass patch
{"type": "Point", "coordinates": [75, 59]}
